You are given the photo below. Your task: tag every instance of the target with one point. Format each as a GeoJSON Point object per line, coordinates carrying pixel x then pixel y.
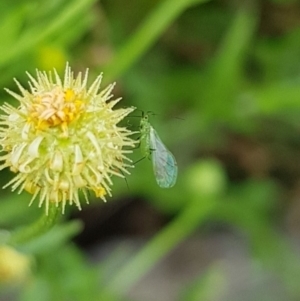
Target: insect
{"type": "Point", "coordinates": [164, 163]}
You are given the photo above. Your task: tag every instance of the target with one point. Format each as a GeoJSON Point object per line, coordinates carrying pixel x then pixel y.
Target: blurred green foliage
{"type": "Point", "coordinates": [230, 70]}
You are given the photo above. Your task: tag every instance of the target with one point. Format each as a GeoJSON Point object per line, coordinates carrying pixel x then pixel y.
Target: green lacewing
{"type": "Point", "coordinates": [164, 163]}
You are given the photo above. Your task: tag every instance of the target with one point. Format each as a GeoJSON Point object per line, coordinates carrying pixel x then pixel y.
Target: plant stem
{"type": "Point", "coordinates": [161, 244]}
{"type": "Point", "coordinates": [39, 227]}
{"type": "Point", "coordinates": [162, 16]}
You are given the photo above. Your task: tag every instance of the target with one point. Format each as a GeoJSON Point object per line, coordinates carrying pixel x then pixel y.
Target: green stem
{"type": "Point", "coordinates": [168, 238]}
{"type": "Point", "coordinates": [42, 225]}
{"type": "Point", "coordinates": [146, 35]}
{"type": "Point", "coordinates": [30, 39]}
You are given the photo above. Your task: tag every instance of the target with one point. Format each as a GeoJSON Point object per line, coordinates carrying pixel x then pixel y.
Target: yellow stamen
{"type": "Point", "coordinates": [99, 191]}
{"type": "Point", "coordinates": [55, 108]}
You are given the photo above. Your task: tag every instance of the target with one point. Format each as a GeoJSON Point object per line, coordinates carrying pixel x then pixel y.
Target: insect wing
{"type": "Point", "coordinates": [164, 163]}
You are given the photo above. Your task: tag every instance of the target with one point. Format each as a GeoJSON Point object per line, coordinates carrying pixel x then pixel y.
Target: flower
{"type": "Point", "coordinates": [14, 266]}
{"type": "Point", "coordinates": [64, 138]}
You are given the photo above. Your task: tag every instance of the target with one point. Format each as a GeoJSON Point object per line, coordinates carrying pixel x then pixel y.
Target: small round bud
{"type": "Point", "coordinates": [206, 178]}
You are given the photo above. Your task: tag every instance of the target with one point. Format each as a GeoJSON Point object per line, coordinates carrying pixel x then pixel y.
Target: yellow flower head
{"type": "Point", "coordinates": [64, 138]}
{"type": "Point", "coordinates": [14, 266]}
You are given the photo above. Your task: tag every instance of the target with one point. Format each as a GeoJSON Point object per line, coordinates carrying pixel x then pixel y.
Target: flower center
{"type": "Point", "coordinates": [55, 108]}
